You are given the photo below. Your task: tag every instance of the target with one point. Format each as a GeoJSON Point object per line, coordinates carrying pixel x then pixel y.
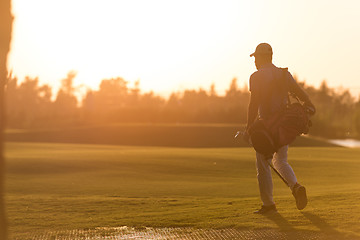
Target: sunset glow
{"type": "Point", "coordinates": [171, 46]}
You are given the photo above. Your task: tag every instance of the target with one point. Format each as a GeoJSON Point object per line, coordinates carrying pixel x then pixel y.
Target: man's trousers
{"type": "Point", "coordinates": [280, 163]}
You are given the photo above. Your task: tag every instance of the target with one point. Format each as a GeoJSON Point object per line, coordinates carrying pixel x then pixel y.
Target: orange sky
{"type": "Point", "coordinates": [177, 45]}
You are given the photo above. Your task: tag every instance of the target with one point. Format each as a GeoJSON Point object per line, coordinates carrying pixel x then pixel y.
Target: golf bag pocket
{"type": "Point", "coordinates": [261, 138]}
{"type": "Point", "coordinates": [294, 122]}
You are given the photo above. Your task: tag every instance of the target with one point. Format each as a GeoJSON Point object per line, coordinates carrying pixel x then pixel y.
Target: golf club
{"type": "Point", "coordinates": [273, 168]}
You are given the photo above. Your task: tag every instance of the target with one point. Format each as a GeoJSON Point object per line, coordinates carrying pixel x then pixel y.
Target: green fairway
{"type": "Point", "coordinates": [73, 186]}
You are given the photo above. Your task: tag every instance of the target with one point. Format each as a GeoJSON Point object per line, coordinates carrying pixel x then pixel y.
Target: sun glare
{"type": "Point", "coordinates": [163, 44]}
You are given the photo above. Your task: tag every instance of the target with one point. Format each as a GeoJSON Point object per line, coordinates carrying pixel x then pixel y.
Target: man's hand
{"type": "Point", "coordinates": [246, 137]}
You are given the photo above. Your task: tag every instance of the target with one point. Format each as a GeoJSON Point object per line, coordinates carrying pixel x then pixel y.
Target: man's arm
{"type": "Point", "coordinates": [252, 109]}
{"type": "Point", "coordinates": [301, 94]}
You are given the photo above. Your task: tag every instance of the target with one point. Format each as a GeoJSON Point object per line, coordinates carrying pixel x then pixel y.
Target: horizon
{"type": "Point", "coordinates": [81, 90]}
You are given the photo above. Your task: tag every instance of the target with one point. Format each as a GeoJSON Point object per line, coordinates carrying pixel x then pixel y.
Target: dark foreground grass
{"type": "Point", "coordinates": [68, 186]}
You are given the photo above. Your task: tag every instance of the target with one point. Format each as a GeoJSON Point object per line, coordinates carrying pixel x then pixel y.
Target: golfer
{"type": "Point", "coordinates": [267, 99]}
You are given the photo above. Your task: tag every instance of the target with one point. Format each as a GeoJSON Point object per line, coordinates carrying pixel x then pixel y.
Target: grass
{"type": "Point", "coordinates": [72, 186]}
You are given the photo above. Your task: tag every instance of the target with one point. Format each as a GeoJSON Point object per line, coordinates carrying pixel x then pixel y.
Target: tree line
{"type": "Point", "coordinates": [30, 105]}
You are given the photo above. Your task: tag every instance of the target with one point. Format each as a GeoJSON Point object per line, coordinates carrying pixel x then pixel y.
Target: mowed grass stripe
{"type": "Point", "coordinates": [74, 186]}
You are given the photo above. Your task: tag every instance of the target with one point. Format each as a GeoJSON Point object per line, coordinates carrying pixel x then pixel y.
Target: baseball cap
{"type": "Point", "coordinates": [262, 49]}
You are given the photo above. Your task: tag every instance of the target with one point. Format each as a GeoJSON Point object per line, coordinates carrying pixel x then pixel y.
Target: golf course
{"type": "Point", "coordinates": [54, 187]}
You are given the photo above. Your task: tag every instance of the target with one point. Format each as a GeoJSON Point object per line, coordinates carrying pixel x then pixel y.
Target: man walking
{"type": "Point", "coordinates": [268, 98]}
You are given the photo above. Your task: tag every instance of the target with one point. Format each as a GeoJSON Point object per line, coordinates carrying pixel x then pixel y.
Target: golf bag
{"type": "Point", "coordinates": [268, 135]}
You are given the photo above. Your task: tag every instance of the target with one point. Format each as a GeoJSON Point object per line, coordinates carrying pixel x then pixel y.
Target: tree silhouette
{"type": "Point", "coordinates": [30, 106]}
{"type": "Point", "coordinates": [112, 94]}
{"type": "Point", "coordinates": [65, 104]}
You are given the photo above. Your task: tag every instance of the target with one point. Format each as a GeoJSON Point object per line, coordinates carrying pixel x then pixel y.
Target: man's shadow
{"type": "Point", "coordinates": [280, 221]}
{"type": "Point", "coordinates": [320, 223]}
{"type": "Point", "coordinates": [285, 226]}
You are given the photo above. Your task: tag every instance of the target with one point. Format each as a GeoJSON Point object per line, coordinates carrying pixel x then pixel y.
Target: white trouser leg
{"type": "Point", "coordinates": [264, 173]}
{"type": "Point", "coordinates": [281, 164]}
{"type": "Point", "coordinates": [264, 180]}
